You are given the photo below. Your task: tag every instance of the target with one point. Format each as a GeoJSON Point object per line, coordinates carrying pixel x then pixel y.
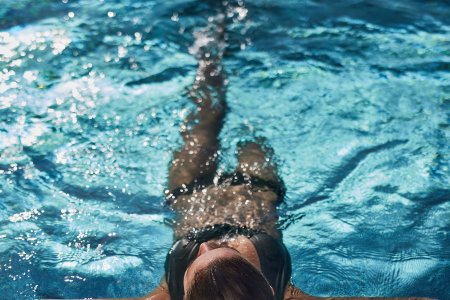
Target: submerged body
{"type": "Point", "coordinates": [223, 216]}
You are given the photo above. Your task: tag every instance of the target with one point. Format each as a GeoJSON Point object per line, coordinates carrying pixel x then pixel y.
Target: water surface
{"type": "Point", "coordinates": [354, 97]}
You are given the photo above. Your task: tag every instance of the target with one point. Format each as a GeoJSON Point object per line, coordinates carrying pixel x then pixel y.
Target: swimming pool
{"type": "Point", "coordinates": [354, 97]}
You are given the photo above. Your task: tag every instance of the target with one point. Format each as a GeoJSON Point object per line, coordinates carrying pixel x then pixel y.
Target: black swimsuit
{"type": "Point", "coordinates": [236, 178]}
{"type": "Point", "coordinates": [273, 255]}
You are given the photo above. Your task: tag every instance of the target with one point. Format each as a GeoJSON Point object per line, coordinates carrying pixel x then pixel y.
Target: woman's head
{"type": "Point", "coordinates": [223, 274]}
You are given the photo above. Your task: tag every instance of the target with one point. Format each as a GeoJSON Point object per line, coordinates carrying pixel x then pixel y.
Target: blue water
{"type": "Point", "coordinates": [354, 97]}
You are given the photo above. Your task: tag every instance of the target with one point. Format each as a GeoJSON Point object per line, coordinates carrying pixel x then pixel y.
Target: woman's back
{"type": "Point", "coordinates": [241, 205]}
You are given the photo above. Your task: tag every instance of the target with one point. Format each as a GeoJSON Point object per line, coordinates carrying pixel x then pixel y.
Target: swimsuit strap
{"type": "Point", "coordinates": [275, 262]}
{"type": "Point", "coordinates": [187, 189]}
{"type": "Point", "coordinates": [219, 230]}
{"type": "Point", "coordinates": [237, 178]}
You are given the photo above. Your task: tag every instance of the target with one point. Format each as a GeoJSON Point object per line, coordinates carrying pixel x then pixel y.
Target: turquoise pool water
{"type": "Point", "coordinates": [354, 97]}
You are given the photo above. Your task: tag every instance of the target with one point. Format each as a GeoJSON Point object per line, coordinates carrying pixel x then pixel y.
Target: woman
{"type": "Point", "coordinates": [227, 243]}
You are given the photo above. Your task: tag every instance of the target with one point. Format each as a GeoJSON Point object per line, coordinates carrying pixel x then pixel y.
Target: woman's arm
{"type": "Point", "coordinates": [294, 293]}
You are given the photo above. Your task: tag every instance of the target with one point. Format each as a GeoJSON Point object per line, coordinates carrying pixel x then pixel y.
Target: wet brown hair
{"type": "Point", "coordinates": [229, 278]}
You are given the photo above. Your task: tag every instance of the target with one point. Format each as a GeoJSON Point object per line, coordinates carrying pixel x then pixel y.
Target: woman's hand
{"type": "Point", "coordinates": [294, 293]}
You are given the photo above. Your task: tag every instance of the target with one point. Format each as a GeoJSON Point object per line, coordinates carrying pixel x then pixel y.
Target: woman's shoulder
{"type": "Point", "coordinates": [294, 293]}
